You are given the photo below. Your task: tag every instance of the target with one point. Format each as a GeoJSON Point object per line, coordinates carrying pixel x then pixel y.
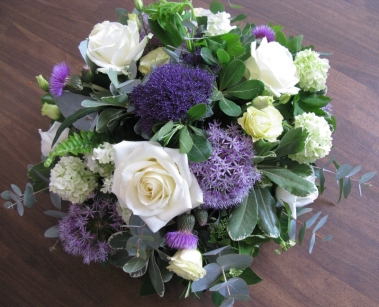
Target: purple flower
{"type": "Point", "coordinates": [328, 109]}
{"type": "Point", "coordinates": [228, 175]}
{"type": "Point", "coordinates": [58, 78]}
{"type": "Point", "coordinates": [264, 31]}
{"type": "Point", "coordinates": [181, 240]}
{"type": "Point", "coordinates": [169, 93]}
{"type": "Point", "coordinates": [87, 227]}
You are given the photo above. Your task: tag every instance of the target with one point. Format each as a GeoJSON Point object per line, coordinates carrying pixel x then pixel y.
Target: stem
{"type": "Point", "coordinates": [95, 87]}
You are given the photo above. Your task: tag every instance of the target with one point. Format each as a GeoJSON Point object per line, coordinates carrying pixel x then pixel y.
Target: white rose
{"type": "Point", "coordinates": [48, 137]}
{"type": "Point", "coordinates": [296, 201]}
{"type": "Point", "coordinates": [272, 64]}
{"type": "Point", "coordinates": [114, 45]}
{"type": "Point", "coordinates": [154, 182]}
{"type": "Point", "coordinates": [188, 264]}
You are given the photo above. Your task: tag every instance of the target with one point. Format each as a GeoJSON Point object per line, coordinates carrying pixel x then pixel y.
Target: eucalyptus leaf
{"type": "Point", "coordinates": [16, 189]}
{"type": "Point", "coordinates": [236, 261]}
{"type": "Point", "coordinates": [292, 230]}
{"type": "Point", "coordinates": [327, 238]}
{"type": "Point", "coordinates": [8, 205]}
{"type": "Point", "coordinates": [20, 208]}
{"type": "Point", "coordinates": [29, 197]}
{"type": "Point", "coordinates": [320, 223]}
{"type": "Point", "coordinates": [312, 242]}
{"type": "Point", "coordinates": [218, 251]}
{"type": "Point", "coordinates": [112, 74]}
{"type": "Point", "coordinates": [346, 187]}
{"type": "Point", "coordinates": [134, 264]}
{"type": "Point", "coordinates": [52, 232]}
{"type": "Point", "coordinates": [268, 220]}
{"type": "Point", "coordinates": [234, 288]}
{"type": "Point", "coordinates": [83, 49]}
{"type": "Point", "coordinates": [56, 200]}
{"type": "Point", "coordinates": [313, 219]}
{"type": "Point", "coordinates": [301, 211]}
{"type": "Point", "coordinates": [342, 171]}
{"type": "Point", "coordinates": [355, 170]}
{"type": "Point", "coordinates": [243, 218]}
{"type": "Point", "coordinates": [366, 177]}
{"type": "Point", "coordinates": [213, 271]}
{"type": "Point", "coordinates": [6, 195]}
{"type": "Point", "coordinates": [56, 214]}
{"type": "Point", "coordinates": [228, 302]}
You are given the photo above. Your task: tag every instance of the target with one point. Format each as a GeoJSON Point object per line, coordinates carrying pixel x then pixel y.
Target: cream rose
{"type": "Point", "coordinates": [262, 124]}
{"type": "Point", "coordinates": [154, 182]}
{"type": "Point", "coordinates": [114, 45]}
{"type": "Point", "coordinates": [188, 264]}
{"type": "Point", "coordinates": [272, 64]}
{"type": "Point", "coordinates": [48, 137]}
{"type": "Point", "coordinates": [296, 201]}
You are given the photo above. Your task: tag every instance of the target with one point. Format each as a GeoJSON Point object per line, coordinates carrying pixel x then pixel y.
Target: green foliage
{"type": "Point", "coordinates": [75, 144]}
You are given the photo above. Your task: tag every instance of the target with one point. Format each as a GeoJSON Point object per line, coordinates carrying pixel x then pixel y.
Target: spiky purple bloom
{"type": "Point", "coordinates": [87, 227]}
{"type": "Point", "coordinates": [181, 240]}
{"type": "Point", "coordinates": [228, 175]}
{"type": "Point", "coordinates": [328, 109]}
{"type": "Point", "coordinates": [192, 58]}
{"type": "Point", "coordinates": [171, 90]}
{"type": "Point", "coordinates": [58, 78]}
{"type": "Point", "coordinates": [264, 31]}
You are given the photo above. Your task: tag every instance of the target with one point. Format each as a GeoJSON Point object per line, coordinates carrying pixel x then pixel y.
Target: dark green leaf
{"type": "Point", "coordinates": [208, 57]}
{"type": "Point", "coordinates": [119, 240]}
{"type": "Point", "coordinates": [168, 36]}
{"type": "Point", "coordinates": [201, 149]}
{"type": "Point", "coordinates": [238, 18]}
{"type": "Point", "coordinates": [216, 7]}
{"type": "Point", "coordinates": [229, 107]}
{"type": "Point", "coordinates": [294, 45]}
{"type": "Point", "coordinates": [302, 233]}
{"type": "Point", "coordinates": [346, 187]}
{"type": "Point", "coordinates": [196, 112]}
{"type": "Point", "coordinates": [243, 218]}
{"type": "Point", "coordinates": [163, 131]}
{"type": "Point", "coordinates": [134, 265]}
{"type": "Point", "coordinates": [314, 101]}
{"type": "Point", "coordinates": [292, 142]}
{"type": "Point", "coordinates": [223, 56]}
{"type": "Point", "coordinates": [262, 146]}
{"type": "Point", "coordinates": [147, 287]}
{"type": "Point", "coordinates": [340, 182]}
{"type": "Point", "coordinates": [47, 98]}
{"type": "Point", "coordinates": [217, 298]}
{"type": "Point", "coordinates": [120, 258]}
{"type": "Point", "coordinates": [185, 141]}
{"type": "Point", "coordinates": [39, 174]}
{"type": "Point", "coordinates": [231, 74]}
{"type": "Point", "coordinates": [105, 117]}
{"type": "Point", "coordinates": [268, 220]}
{"type": "Point", "coordinates": [246, 90]}
{"type": "Point", "coordinates": [281, 38]}
{"type": "Point", "coordinates": [289, 181]}
{"type": "Point", "coordinates": [140, 272]}
{"type": "Point", "coordinates": [56, 214]}
{"type": "Point", "coordinates": [250, 277]}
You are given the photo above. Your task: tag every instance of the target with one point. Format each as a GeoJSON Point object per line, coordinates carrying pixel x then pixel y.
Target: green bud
{"type": "Point", "coordinates": [51, 110]}
{"type": "Point", "coordinates": [43, 84]}
{"type": "Point", "coordinates": [186, 222]}
{"type": "Point", "coordinates": [74, 84]}
{"type": "Point", "coordinates": [138, 4]}
{"type": "Point", "coordinates": [201, 216]}
{"type": "Point", "coordinates": [134, 17]}
{"type": "Point", "coordinates": [283, 99]}
{"type": "Point", "coordinates": [87, 74]}
{"type": "Point", "coordinates": [262, 102]}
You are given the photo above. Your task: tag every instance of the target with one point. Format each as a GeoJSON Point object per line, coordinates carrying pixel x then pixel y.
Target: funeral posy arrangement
{"type": "Point", "coordinates": [187, 140]}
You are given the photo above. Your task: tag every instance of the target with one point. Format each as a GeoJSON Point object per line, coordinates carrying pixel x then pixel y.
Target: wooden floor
{"type": "Point", "coordinates": [36, 34]}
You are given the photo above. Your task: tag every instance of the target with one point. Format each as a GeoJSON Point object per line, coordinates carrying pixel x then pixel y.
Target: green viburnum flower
{"type": "Point", "coordinates": [313, 71]}
{"type": "Point", "coordinates": [71, 180]}
{"type": "Point", "coordinates": [319, 141]}
{"type": "Point", "coordinates": [51, 110]}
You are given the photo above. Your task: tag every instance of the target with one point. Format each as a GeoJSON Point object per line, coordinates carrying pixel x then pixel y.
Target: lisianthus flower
{"type": "Point", "coordinates": [262, 31]}
{"type": "Point", "coordinates": [228, 175]}
{"type": "Point", "coordinates": [169, 93]}
{"type": "Point", "coordinates": [188, 264]}
{"type": "Point", "coordinates": [87, 227]}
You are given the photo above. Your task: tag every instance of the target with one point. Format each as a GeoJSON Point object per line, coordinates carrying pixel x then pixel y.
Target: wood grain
{"type": "Point", "coordinates": [35, 35]}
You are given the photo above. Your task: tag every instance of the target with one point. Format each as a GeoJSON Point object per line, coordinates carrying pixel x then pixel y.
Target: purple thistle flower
{"type": "Point", "coordinates": [86, 229]}
{"type": "Point", "coordinates": [264, 31]}
{"type": "Point", "coordinates": [58, 78]}
{"type": "Point", "coordinates": [181, 240]}
{"type": "Point", "coordinates": [169, 93]}
{"type": "Point", "coordinates": [228, 175]}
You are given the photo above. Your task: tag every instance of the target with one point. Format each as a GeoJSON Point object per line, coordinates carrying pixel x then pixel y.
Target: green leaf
{"type": "Point", "coordinates": [155, 276]}
{"type": "Point", "coordinates": [47, 98]}
{"type": "Point", "coordinates": [301, 169]}
{"type": "Point", "coordinates": [201, 149]}
{"type": "Point", "coordinates": [217, 298]}
{"type": "Point", "coordinates": [73, 118]}
{"type": "Point", "coordinates": [366, 177]}
{"type": "Point", "coordinates": [216, 7]}
{"type": "Point", "coordinates": [340, 182]}
{"type": "Point", "coordinates": [342, 171]}
{"type": "Point", "coordinates": [112, 74]}
{"type": "Point", "coordinates": [246, 90]}
{"type": "Point", "coordinates": [250, 277]}
{"type": "Point", "coordinates": [208, 57]}
{"type": "Point", "coordinates": [268, 220]}
{"type": "Point", "coordinates": [302, 233]}
{"type": "Point", "coordinates": [314, 101]}
{"type": "Point", "coordinates": [52, 232]}
{"type": "Point", "coordinates": [196, 112]}
{"type": "Point", "coordinates": [16, 189]}
{"type": "Point", "coordinates": [163, 131]}
{"type": "Point", "coordinates": [120, 258]}
{"type": "Point", "coordinates": [229, 107]}
{"type": "Point", "coordinates": [292, 142]}
{"type": "Point", "coordinates": [223, 56]}
{"type": "Point", "coordinates": [233, 43]}
{"type": "Point", "coordinates": [185, 141]}
{"type": "Point", "coordinates": [281, 38]}
{"type": "Point", "coordinates": [147, 287]}
{"type": "Point", "coordinates": [134, 264]}
{"type": "Point", "coordinates": [39, 175]}
{"type": "Point", "coordinates": [213, 272]}
{"type": "Point", "coordinates": [168, 36]}
{"type": "Point", "coordinates": [294, 45]}
{"type": "Point", "coordinates": [346, 187]}
{"type": "Point", "coordinates": [243, 218]}
{"type": "Point", "coordinates": [106, 117]}
{"type": "Point", "coordinates": [237, 261]}
{"type": "Point", "coordinates": [238, 18]}
{"type": "Point", "coordinates": [289, 181]}
{"type": "Point", "coordinates": [122, 15]}
{"type": "Point", "coordinates": [262, 146]}
{"type": "Point", "coordinates": [231, 74]}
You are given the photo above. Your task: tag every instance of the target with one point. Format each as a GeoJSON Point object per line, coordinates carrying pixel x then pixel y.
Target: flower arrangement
{"type": "Point", "coordinates": [186, 141]}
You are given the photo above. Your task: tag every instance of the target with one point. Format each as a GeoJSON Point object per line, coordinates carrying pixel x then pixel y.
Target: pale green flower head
{"type": "Point", "coordinates": [262, 102]}
{"type": "Point", "coordinates": [43, 84]}
{"type": "Point", "coordinates": [313, 71]}
{"type": "Point", "coordinates": [51, 110]}
{"type": "Point", "coordinates": [319, 141]}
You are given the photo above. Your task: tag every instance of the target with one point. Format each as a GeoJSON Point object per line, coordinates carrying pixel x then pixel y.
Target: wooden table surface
{"type": "Point", "coordinates": [35, 35]}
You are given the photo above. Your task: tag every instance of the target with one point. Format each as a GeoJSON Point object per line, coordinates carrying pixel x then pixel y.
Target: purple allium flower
{"type": "Point", "coordinates": [58, 78]}
{"type": "Point", "coordinates": [87, 227]}
{"type": "Point", "coordinates": [171, 90]}
{"type": "Point", "coordinates": [228, 175]}
{"type": "Point", "coordinates": [181, 240]}
{"type": "Point", "coordinates": [328, 109]}
{"type": "Point", "coordinates": [264, 31]}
